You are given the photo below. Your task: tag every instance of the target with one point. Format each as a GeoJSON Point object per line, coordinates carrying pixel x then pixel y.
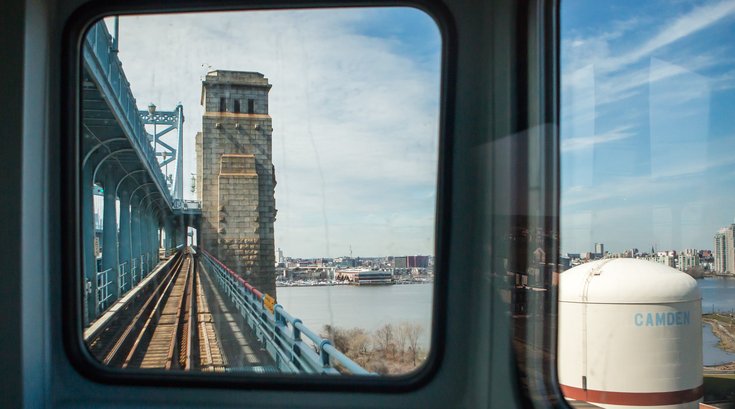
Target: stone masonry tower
{"type": "Point", "coordinates": [236, 177]}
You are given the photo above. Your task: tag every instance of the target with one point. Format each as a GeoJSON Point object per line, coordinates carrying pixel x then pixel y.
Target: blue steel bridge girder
{"type": "Point", "coordinates": [124, 238]}
{"type": "Point", "coordinates": [109, 230]}
{"type": "Point", "coordinates": [135, 241]}
{"type": "Point", "coordinates": [118, 155]}
{"type": "Point", "coordinates": [93, 162]}
{"type": "Point", "coordinates": [156, 225]}
{"type": "Point", "coordinates": [151, 231]}
{"type": "Point", "coordinates": [145, 234]}
{"type": "Point", "coordinates": [126, 253]}
{"type": "Point", "coordinates": [138, 227]}
{"type": "Point", "coordinates": [101, 62]}
{"type": "Point", "coordinates": [169, 229]}
{"type": "Point", "coordinates": [173, 120]}
{"type": "Point", "coordinates": [88, 260]}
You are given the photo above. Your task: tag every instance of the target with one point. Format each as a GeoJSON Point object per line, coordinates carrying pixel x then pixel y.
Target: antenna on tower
{"type": "Point", "coordinates": [350, 250]}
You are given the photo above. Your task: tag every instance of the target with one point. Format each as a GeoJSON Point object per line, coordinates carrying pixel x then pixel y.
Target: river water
{"type": "Point", "coordinates": [372, 307]}
{"type": "Point", "coordinates": [718, 295]}
{"type": "Point", "coordinates": [367, 307]}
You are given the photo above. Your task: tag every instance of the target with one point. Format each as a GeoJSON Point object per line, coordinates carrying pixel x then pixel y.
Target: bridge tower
{"type": "Point", "coordinates": [235, 175]}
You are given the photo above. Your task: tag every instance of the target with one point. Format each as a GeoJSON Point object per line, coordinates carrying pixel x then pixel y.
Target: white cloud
{"type": "Point", "coordinates": [651, 80]}
{"type": "Point", "coordinates": [571, 144]}
{"type": "Point", "coordinates": [696, 20]}
{"type": "Point", "coordinates": [355, 117]}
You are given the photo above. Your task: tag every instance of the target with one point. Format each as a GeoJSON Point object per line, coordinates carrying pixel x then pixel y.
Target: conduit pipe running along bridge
{"type": "Point", "coordinates": [148, 304]}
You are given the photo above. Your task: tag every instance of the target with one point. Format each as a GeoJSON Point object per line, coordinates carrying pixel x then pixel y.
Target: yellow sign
{"type": "Point", "coordinates": [269, 302]}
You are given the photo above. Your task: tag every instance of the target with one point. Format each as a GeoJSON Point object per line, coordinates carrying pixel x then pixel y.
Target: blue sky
{"type": "Point", "coordinates": [648, 119]}
{"type": "Point", "coordinates": [648, 123]}
{"type": "Point", "coordinates": [355, 103]}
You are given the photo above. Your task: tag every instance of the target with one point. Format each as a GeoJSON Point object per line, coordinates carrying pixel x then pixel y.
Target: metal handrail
{"type": "Point", "coordinates": [122, 271]}
{"type": "Point", "coordinates": [133, 272]}
{"type": "Point", "coordinates": [280, 332]}
{"type": "Point", "coordinates": [103, 290]}
{"type": "Point", "coordinates": [104, 62]}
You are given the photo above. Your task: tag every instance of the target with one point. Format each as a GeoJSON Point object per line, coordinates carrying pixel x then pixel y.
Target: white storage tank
{"type": "Point", "coordinates": [630, 335]}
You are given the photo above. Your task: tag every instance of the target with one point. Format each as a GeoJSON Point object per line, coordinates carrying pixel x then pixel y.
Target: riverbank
{"type": "Point", "coordinates": [723, 327]}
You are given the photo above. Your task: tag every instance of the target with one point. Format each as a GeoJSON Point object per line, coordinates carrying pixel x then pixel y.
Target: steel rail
{"type": "Point", "coordinates": [191, 314]}
{"type": "Point", "coordinates": [210, 354]}
{"type": "Point", "coordinates": [159, 304]}
{"type": "Point", "coordinates": [173, 343]}
{"type": "Point", "coordinates": [130, 329]}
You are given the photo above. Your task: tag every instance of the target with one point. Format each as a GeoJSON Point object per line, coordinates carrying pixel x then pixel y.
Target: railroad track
{"type": "Point", "coordinates": [170, 328]}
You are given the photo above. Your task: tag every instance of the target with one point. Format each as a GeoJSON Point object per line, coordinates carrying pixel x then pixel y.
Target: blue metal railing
{"type": "Point", "coordinates": [124, 284]}
{"type": "Point", "coordinates": [103, 289]}
{"type": "Point", "coordinates": [281, 334]}
{"type": "Point", "coordinates": [134, 271]}
{"type": "Point", "coordinates": [106, 70]}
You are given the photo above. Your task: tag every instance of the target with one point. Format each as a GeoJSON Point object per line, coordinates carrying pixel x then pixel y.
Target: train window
{"type": "Point", "coordinates": [647, 131]}
{"type": "Point", "coordinates": [296, 238]}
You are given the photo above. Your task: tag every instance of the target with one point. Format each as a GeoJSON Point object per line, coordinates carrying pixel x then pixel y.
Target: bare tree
{"type": "Point", "coordinates": [359, 341]}
{"type": "Point", "coordinates": [384, 338]}
{"type": "Point", "coordinates": [413, 333]}
{"type": "Point", "coordinates": [696, 271]}
{"type": "Point", "coordinates": [402, 337]}
{"type": "Point", "coordinates": [338, 337]}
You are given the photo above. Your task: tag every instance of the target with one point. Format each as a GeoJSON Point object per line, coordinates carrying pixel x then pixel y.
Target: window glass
{"type": "Point", "coordinates": [647, 203]}
{"type": "Point", "coordinates": [295, 237]}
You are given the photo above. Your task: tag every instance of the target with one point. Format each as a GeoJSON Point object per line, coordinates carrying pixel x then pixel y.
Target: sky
{"type": "Point", "coordinates": [647, 123]}
{"type": "Point", "coordinates": [355, 108]}
{"type": "Point", "coordinates": [647, 118]}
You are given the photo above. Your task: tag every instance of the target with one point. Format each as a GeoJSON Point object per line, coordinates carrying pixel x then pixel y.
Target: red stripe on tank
{"type": "Point", "coordinates": [633, 398]}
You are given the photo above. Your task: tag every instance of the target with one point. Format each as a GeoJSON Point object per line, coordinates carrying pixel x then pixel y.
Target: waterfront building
{"type": "Point", "coordinates": [417, 261]}
{"type": "Point", "coordinates": [730, 249]}
{"type": "Point", "coordinates": [667, 258]}
{"type": "Point", "coordinates": [688, 260]}
{"type": "Point", "coordinates": [600, 249]}
{"type": "Point", "coordinates": [363, 276]}
{"type": "Point", "coordinates": [720, 251]}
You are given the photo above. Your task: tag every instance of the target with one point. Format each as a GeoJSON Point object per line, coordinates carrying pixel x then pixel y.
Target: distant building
{"type": "Point", "coordinates": [730, 249]}
{"type": "Point", "coordinates": [565, 263]}
{"type": "Point", "coordinates": [400, 262]}
{"type": "Point", "coordinates": [667, 258]}
{"type": "Point", "coordinates": [688, 259]}
{"type": "Point", "coordinates": [417, 261]}
{"type": "Point", "coordinates": [721, 250]}
{"type": "Point", "coordinates": [600, 249]}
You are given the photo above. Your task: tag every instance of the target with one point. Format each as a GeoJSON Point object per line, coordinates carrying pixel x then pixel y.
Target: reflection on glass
{"type": "Point", "coordinates": [648, 188]}
{"type": "Point", "coordinates": [259, 190]}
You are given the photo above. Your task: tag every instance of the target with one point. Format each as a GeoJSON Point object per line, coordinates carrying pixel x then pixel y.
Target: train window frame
{"type": "Point", "coordinates": [79, 355]}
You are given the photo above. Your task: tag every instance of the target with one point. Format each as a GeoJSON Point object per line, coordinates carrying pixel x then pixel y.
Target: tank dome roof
{"type": "Point", "coordinates": [626, 281]}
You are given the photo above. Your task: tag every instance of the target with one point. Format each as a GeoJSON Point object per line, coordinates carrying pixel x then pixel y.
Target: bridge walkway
{"type": "Point", "coordinates": [243, 351]}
